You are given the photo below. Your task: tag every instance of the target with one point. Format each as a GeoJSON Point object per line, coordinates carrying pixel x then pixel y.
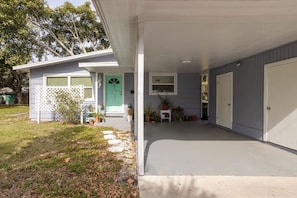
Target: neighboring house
{"type": "Point", "coordinates": [247, 48]}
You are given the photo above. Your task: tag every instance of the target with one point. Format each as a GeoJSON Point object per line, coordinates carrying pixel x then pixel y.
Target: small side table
{"type": "Point", "coordinates": [165, 115]}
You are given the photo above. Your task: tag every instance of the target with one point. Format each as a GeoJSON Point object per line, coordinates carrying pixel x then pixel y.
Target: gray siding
{"type": "Point", "coordinates": [188, 96]}
{"type": "Point", "coordinates": [129, 88]}
{"type": "Point", "coordinates": [248, 89]}
{"type": "Point", "coordinates": [37, 77]}
{"type": "Point", "coordinates": [69, 68]}
{"type": "Point", "coordinates": [100, 90]}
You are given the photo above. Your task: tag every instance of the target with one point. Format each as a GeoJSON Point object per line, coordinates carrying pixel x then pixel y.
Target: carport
{"type": "Point", "coordinates": [198, 148]}
{"type": "Point", "coordinates": [235, 46]}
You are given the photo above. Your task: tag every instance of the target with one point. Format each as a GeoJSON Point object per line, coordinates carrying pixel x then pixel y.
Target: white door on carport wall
{"type": "Point", "coordinates": [280, 103]}
{"type": "Point", "coordinates": [224, 102]}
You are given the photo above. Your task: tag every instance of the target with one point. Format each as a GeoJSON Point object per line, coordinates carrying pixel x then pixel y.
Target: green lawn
{"type": "Point", "coordinates": [55, 160]}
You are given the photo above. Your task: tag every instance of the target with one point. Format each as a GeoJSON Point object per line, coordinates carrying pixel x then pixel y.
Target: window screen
{"type": "Point", "coordinates": [56, 81]}
{"type": "Point", "coordinates": [86, 81]}
{"type": "Point", "coordinates": [63, 81]}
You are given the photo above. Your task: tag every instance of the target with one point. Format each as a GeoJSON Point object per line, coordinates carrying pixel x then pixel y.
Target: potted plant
{"type": "Point", "coordinates": [98, 117]}
{"type": "Point", "coordinates": [164, 102]}
{"type": "Point", "coordinates": [148, 111]}
{"type": "Point", "coordinates": [155, 117]}
{"type": "Point", "coordinates": [91, 122]}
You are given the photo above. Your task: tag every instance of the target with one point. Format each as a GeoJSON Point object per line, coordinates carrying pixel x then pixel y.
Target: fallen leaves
{"type": "Point", "coordinates": [69, 164]}
{"type": "Point", "coordinates": [59, 161]}
{"type": "Point", "coordinates": [66, 160]}
{"type": "Point", "coordinates": [130, 181]}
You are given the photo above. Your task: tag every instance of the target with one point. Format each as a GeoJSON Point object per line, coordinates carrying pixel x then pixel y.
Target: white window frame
{"type": "Point", "coordinates": [69, 81]}
{"type": "Point", "coordinates": [151, 84]}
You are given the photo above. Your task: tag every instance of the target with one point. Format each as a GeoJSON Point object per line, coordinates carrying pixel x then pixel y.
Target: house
{"type": "Point", "coordinates": [246, 51]}
{"type": "Point", "coordinates": [104, 82]}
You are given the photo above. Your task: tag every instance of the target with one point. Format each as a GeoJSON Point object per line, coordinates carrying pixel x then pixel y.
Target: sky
{"type": "Point", "coordinates": [56, 3]}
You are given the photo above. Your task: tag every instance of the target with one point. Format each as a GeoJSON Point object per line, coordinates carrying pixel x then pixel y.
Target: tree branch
{"type": "Point", "coordinates": [53, 35]}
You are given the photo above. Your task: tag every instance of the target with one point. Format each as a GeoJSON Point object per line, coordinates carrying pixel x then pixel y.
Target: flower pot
{"type": "Point", "coordinates": [147, 118]}
{"type": "Point", "coordinates": [164, 107]}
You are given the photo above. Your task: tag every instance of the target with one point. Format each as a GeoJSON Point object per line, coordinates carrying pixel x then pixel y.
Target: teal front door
{"type": "Point", "coordinates": [114, 94]}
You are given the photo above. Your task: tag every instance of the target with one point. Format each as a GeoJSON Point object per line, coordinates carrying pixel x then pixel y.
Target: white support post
{"type": "Point", "coordinates": [140, 100]}
{"type": "Point", "coordinates": [135, 99]}
{"type": "Point", "coordinates": [96, 92]}
{"type": "Point", "coordinates": [38, 93]}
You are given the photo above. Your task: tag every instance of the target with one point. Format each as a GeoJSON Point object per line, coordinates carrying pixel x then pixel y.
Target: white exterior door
{"type": "Point", "coordinates": [224, 100]}
{"type": "Point", "coordinates": [280, 107]}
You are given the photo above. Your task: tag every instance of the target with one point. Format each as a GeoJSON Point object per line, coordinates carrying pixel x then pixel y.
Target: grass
{"type": "Point", "coordinates": [55, 160]}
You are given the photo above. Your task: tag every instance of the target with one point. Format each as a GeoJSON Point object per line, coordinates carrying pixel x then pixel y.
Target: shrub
{"type": "Point", "coordinates": [68, 107]}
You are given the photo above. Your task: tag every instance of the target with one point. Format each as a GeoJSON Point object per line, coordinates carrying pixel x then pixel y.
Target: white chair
{"type": "Point", "coordinates": [165, 115]}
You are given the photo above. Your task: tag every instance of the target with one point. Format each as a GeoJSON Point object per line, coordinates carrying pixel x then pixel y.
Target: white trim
{"type": "Point", "coordinates": [68, 80]}
{"type": "Point", "coordinates": [96, 91]}
{"type": "Point", "coordinates": [123, 91]}
{"type": "Point", "coordinates": [99, 64]}
{"type": "Point", "coordinates": [265, 103]}
{"type": "Point", "coordinates": [140, 100]}
{"type": "Point", "coordinates": [231, 96]}
{"type": "Point", "coordinates": [64, 59]}
{"type": "Point", "coordinates": [283, 62]}
{"type": "Point", "coordinates": [265, 92]}
{"type": "Point", "coordinates": [67, 74]}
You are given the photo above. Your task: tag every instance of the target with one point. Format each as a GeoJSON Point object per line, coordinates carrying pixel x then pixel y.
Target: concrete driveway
{"type": "Point", "coordinates": [197, 148]}
{"type": "Point", "coordinates": [194, 159]}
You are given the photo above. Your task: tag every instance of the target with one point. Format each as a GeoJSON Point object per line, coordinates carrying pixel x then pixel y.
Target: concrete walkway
{"type": "Point", "coordinates": [217, 187]}
{"type": "Point", "coordinates": [120, 123]}
{"type": "Point", "coordinates": [194, 159]}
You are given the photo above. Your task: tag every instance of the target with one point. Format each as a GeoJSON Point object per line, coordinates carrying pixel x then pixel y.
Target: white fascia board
{"type": "Point", "coordinates": [98, 53]}
{"type": "Point", "coordinates": [99, 64]}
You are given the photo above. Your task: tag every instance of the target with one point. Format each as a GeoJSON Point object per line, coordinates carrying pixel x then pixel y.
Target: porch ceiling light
{"type": "Point", "coordinates": [186, 61]}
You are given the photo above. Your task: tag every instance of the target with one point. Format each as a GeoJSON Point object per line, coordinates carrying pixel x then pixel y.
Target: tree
{"type": "Point", "coordinates": [67, 30]}
{"type": "Point", "coordinates": [15, 47]}
{"type": "Point", "coordinates": [30, 30]}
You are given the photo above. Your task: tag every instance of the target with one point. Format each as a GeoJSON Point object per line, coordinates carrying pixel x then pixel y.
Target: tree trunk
{"type": "Point", "coordinates": [20, 97]}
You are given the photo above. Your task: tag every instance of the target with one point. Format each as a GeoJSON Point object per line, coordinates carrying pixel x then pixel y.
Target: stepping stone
{"type": "Point", "coordinates": [115, 141]}
{"type": "Point", "coordinates": [116, 149]}
{"type": "Point", "coordinates": [107, 132]}
{"type": "Point", "coordinates": [109, 137]}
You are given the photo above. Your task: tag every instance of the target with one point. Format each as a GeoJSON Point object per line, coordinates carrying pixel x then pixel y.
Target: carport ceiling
{"type": "Point", "coordinates": [210, 33]}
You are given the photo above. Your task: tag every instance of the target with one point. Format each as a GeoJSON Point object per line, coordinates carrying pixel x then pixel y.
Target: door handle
{"type": "Point", "coordinates": [268, 108]}
{"type": "Point", "coordinates": [229, 104]}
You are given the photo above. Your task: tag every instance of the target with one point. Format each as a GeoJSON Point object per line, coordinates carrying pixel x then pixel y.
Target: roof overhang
{"type": "Point", "coordinates": [104, 67]}
{"type": "Point", "coordinates": [80, 57]}
{"type": "Point", "coordinates": [209, 32]}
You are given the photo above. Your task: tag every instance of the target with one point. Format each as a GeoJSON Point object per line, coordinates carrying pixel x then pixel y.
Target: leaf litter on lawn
{"type": "Point", "coordinates": [62, 161]}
